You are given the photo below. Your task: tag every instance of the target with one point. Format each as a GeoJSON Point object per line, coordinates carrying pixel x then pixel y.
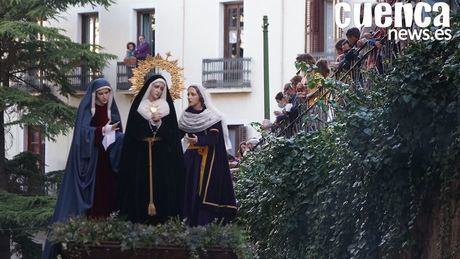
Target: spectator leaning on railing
{"type": "Point", "coordinates": [285, 106]}
{"type": "Point", "coordinates": [143, 50]}
{"type": "Point", "coordinates": [291, 94]}
{"type": "Point", "coordinates": [300, 88]}
{"type": "Point", "coordinates": [350, 48]}
{"type": "Point", "coordinates": [130, 58]}
{"type": "Point", "coordinates": [338, 47]}
{"type": "Point", "coordinates": [308, 59]}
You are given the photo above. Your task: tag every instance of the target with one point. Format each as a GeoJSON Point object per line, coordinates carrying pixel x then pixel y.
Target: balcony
{"type": "Point", "coordinates": [227, 73]}
{"type": "Point", "coordinates": [33, 81]}
{"type": "Point", "coordinates": [30, 81]}
{"type": "Point", "coordinates": [124, 72]}
{"type": "Point", "coordinates": [80, 77]}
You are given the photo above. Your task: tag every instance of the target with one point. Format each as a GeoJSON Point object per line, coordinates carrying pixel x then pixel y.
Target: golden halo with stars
{"type": "Point", "coordinates": [158, 62]}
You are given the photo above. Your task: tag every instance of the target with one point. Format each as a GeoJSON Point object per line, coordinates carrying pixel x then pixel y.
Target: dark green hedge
{"type": "Point", "coordinates": [356, 188]}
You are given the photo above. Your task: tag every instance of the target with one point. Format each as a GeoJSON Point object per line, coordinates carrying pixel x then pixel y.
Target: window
{"type": "Point", "coordinates": [90, 30]}
{"type": "Point", "coordinates": [233, 30]}
{"type": "Point", "coordinates": [315, 20]}
{"type": "Point", "coordinates": [89, 35]}
{"type": "Point", "coordinates": [34, 142]}
{"type": "Point", "coordinates": [146, 27]}
{"type": "Point", "coordinates": [237, 134]}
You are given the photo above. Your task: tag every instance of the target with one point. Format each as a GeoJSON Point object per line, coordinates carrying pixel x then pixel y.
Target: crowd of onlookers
{"type": "Point", "coordinates": [298, 94]}
{"type": "Point", "coordinates": [359, 42]}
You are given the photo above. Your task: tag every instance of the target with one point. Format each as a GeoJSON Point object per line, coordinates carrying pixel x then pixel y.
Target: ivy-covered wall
{"type": "Point", "coordinates": [379, 182]}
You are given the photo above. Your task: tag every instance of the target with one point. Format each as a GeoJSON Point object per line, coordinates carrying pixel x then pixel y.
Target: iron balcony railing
{"type": "Point", "coordinates": [80, 76]}
{"type": "Point", "coordinates": [124, 72]}
{"type": "Point", "coordinates": [34, 80]}
{"type": "Point", "coordinates": [329, 56]}
{"type": "Point", "coordinates": [225, 73]}
{"type": "Point", "coordinates": [314, 117]}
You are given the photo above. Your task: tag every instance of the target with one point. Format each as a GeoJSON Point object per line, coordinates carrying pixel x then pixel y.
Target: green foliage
{"type": "Point", "coordinates": [24, 176]}
{"type": "Point", "coordinates": [356, 188]}
{"type": "Point", "coordinates": [46, 110]}
{"type": "Point", "coordinates": [32, 10]}
{"type": "Point", "coordinates": [22, 217]}
{"type": "Point", "coordinates": [82, 232]}
{"type": "Point", "coordinates": [29, 50]}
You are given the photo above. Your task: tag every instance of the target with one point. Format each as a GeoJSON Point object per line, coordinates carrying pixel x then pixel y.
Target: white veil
{"type": "Point", "coordinates": [213, 109]}
{"type": "Point", "coordinates": [161, 103]}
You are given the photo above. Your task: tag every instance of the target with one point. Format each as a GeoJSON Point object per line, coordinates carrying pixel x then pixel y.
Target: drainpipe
{"type": "Point", "coordinates": [282, 42]}
{"type": "Point", "coordinates": [266, 75]}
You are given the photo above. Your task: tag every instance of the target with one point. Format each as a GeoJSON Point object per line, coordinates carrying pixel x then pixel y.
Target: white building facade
{"type": "Point", "coordinates": [204, 36]}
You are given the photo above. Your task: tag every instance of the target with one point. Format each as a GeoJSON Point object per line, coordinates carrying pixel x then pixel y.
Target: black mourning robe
{"type": "Point", "coordinates": [168, 166]}
{"type": "Point", "coordinates": [209, 193]}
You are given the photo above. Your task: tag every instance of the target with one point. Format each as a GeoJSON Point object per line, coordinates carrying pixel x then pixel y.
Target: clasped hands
{"type": "Point", "coordinates": [156, 117]}
{"type": "Point", "coordinates": [191, 138]}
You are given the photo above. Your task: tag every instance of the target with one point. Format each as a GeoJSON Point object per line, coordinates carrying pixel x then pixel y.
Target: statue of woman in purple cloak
{"type": "Point", "coordinates": [209, 193]}
{"type": "Point", "coordinates": [88, 185]}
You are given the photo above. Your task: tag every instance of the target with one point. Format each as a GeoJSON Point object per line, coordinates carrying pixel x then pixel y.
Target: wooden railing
{"type": "Point", "coordinates": [227, 73]}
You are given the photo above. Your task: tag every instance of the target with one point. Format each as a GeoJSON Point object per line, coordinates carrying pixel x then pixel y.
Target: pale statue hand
{"type": "Point", "coordinates": [156, 117]}
{"type": "Point", "coordinates": [115, 126]}
{"type": "Point", "coordinates": [192, 140]}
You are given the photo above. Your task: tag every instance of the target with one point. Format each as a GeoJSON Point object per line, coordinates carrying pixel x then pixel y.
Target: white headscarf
{"type": "Point", "coordinates": [193, 122]}
{"type": "Point", "coordinates": [160, 103]}
{"type": "Point", "coordinates": [109, 103]}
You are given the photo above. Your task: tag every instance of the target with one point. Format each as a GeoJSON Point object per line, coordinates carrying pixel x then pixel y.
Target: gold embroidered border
{"type": "Point", "coordinates": [203, 152]}
{"type": "Point", "coordinates": [207, 185]}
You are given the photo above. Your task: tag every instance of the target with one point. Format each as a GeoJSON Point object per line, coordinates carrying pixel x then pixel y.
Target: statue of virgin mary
{"type": "Point", "coordinates": [152, 115]}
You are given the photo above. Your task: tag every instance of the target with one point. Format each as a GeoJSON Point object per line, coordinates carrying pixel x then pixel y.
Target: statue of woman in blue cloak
{"type": "Point", "coordinates": [88, 186]}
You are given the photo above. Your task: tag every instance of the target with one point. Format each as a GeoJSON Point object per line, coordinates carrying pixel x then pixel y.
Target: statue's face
{"type": "Point", "coordinates": [156, 90]}
{"type": "Point", "coordinates": [193, 97]}
{"type": "Point", "coordinates": [102, 96]}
